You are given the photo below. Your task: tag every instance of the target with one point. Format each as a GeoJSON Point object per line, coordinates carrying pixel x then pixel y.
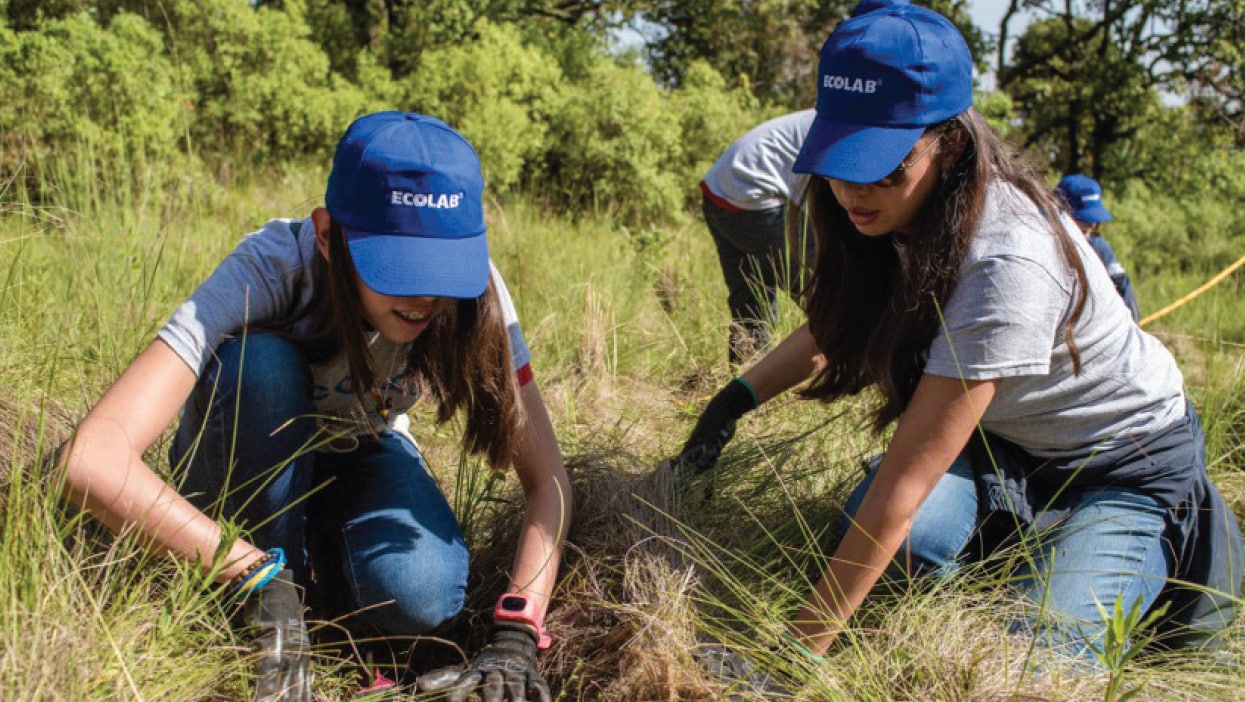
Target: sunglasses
{"type": "Point", "coordinates": [897, 176]}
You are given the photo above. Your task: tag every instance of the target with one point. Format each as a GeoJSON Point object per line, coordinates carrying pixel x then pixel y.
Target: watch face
{"type": "Point", "coordinates": [513, 603]}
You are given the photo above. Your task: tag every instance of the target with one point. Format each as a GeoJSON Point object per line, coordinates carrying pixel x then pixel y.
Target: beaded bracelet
{"type": "Point", "coordinates": [258, 574]}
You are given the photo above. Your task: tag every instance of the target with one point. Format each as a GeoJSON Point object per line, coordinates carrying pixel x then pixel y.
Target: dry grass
{"type": "Point", "coordinates": [627, 350]}
{"type": "Point", "coordinates": [30, 428]}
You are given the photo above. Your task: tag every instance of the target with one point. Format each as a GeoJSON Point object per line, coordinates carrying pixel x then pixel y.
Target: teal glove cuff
{"type": "Point", "coordinates": [756, 401]}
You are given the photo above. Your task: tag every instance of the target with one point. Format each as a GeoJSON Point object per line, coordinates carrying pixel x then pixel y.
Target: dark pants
{"type": "Point", "coordinates": [752, 248]}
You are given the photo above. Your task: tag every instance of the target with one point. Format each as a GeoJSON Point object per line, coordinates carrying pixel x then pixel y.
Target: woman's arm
{"type": "Point", "coordinates": [787, 365]}
{"type": "Point", "coordinates": [104, 471]}
{"type": "Point", "coordinates": [547, 492]}
{"type": "Point", "coordinates": [933, 430]}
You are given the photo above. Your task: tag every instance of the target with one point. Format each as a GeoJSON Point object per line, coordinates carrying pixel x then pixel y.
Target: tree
{"type": "Point", "coordinates": [1086, 73]}
{"type": "Point", "coordinates": [770, 46]}
{"type": "Point", "coordinates": [398, 32]}
{"type": "Point", "coordinates": [1212, 63]}
{"type": "Point", "coordinates": [1077, 92]}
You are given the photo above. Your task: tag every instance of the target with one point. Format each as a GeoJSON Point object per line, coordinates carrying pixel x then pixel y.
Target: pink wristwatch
{"type": "Point", "coordinates": [513, 607]}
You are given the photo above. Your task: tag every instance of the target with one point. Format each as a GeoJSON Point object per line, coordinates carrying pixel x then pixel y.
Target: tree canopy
{"type": "Point", "coordinates": [1124, 90]}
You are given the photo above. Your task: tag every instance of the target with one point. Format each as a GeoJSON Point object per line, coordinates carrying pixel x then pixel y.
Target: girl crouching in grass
{"type": "Point", "coordinates": [949, 281]}
{"type": "Point", "coordinates": [293, 366]}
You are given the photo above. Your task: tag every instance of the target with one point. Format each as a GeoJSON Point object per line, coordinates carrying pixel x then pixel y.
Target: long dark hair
{"type": "Point", "coordinates": [461, 361]}
{"type": "Point", "coordinates": [874, 315]}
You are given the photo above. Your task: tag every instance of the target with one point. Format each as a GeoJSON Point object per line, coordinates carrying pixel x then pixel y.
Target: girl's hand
{"type": "Point", "coordinates": [273, 619]}
{"type": "Point", "coordinates": [503, 671]}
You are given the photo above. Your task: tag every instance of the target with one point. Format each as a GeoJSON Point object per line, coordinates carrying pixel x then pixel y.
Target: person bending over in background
{"type": "Point", "coordinates": [745, 202]}
{"type": "Point", "coordinates": [948, 283]}
{"type": "Point", "coordinates": [293, 365]}
{"type": "Point", "coordinates": [1083, 197]}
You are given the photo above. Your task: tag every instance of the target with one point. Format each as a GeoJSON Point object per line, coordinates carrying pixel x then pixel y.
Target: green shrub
{"type": "Point", "coordinates": [711, 117]}
{"type": "Point", "coordinates": [1155, 232]}
{"type": "Point", "coordinates": [615, 144]}
{"type": "Point", "coordinates": [264, 87]}
{"type": "Point", "coordinates": [74, 85]}
{"type": "Point", "coordinates": [498, 92]}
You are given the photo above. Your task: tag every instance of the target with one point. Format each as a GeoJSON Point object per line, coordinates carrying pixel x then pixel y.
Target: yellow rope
{"type": "Point", "coordinates": [1201, 289]}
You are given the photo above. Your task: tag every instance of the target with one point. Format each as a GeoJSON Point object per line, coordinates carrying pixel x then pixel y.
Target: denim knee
{"type": "Point", "coordinates": [227, 454]}
{"type": "Point", "coordinates": [404, 596]}
{"type": "Point", "coordinates": [1110, 548]}
{"type": "Point", "coordinates": [941, 528]}
{"type": "Point", "coordinates": [263, 375]}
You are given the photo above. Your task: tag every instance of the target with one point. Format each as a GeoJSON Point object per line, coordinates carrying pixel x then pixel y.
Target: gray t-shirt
{"type": "Point", "coordinates": [754, 173]}
{"type": "Point", "coordinates": [1006, 321]}
{"type": "Point", "coordinates": [266, 279]}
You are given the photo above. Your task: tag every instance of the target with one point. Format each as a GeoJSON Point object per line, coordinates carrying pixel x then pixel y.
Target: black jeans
{"type": "Point", "coordinates": [752, 248]}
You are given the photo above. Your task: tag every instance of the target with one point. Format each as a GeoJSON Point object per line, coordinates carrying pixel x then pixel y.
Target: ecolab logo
{"type": "Point", "coordinates": [851, 85]}
{"type": "Point", "coordinates": [435, 201]}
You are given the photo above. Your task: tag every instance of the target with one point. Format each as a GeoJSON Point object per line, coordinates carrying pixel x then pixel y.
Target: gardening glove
{"type": "Point", "coordinates": [503, 671]}
{"type": "Point", "coordinates": [742, 678]}
{"type": "Point", "coordinates": [273, 620]}
{"type": "Point", "coordinates": [715, 427]}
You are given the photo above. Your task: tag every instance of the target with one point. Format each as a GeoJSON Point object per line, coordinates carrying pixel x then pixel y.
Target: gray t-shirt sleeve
{"type": "Point", "coordinates": [1001, 321]}
{"type": "Point", "coordinates": [754, 173]}
{"type": "Point", "coordinates": [520, 354]}
{"type": "Point", "coordinates": [260, 282]}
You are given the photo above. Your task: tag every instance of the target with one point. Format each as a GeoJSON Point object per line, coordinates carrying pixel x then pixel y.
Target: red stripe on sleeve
{"type": "Point", "coordinates": [525, 374]}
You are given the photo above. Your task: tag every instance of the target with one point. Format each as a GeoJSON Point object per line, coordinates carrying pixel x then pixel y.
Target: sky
{"type": "Point", "coordinates": [986, 15]}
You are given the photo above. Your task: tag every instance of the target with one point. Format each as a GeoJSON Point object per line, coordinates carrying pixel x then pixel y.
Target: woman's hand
{"type": "Point", "coordinates": [503, 671]}
{"type": "Point", "coordinates": [790, 363]}
{"type": "Point", "coordinates": [715, 428]}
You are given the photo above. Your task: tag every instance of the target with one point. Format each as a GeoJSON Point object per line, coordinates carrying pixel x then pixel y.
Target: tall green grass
{"type": "Point", "coordinates": [628, 326]}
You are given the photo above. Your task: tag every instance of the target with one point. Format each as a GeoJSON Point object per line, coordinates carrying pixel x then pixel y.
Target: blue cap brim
{"type": "Point", "coordinates": [414, 266]}
{"type": "Point", "coordinates": [854, 153]}
{"type": "Point", "coordinates": [1092, 213]}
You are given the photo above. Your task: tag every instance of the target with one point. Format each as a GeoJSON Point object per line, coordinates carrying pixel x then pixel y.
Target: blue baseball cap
{"type": "Point", "coordinates": [884, 76]}
{"type": "Point", "coordinates": [1084, 197]}
{"type": "Point", "coordinates": [408, 193]}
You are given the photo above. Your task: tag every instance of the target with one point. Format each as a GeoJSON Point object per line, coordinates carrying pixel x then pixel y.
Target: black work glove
{"type": "Point", "coordinates": [715, 427]}
{"type": "Point", "coordinates": [503, 671]}
{"type": "Point", "coordinates": [742, 678]}
{"type": "Point", "coordinates": [273, 620]}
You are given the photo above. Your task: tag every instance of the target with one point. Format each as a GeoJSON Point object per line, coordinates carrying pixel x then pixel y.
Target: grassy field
{"type": "Point", "coordinates": [628, 331]}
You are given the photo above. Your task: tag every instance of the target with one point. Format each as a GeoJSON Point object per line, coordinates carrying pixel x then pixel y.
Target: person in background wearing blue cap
{"type": "Point", "coordinates": [1083, 197]}
{"type": "Point", "coordinates": [293, 366]}
{"type": "Point", "coordinates": [745, 194]}
{"type": "Point", "coordinates": [948, 284]}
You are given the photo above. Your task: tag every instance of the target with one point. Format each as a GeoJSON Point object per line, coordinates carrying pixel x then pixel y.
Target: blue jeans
{"type": "Point", "coordinates": [752, 249]}
{"type": "Point", "coordinates": [1109, 547]}
{"type": "Point", "coordinates": [372, 520]}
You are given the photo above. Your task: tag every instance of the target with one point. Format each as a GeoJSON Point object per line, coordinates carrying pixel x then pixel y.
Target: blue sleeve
{"type": "Point", "coordinates": [1118, 275]}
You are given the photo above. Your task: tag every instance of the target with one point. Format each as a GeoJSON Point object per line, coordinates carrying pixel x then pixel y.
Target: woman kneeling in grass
{"type": "Point", "coordinates": [294, 365]}
{"type": "Point", "coordinates": [948, 280]}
